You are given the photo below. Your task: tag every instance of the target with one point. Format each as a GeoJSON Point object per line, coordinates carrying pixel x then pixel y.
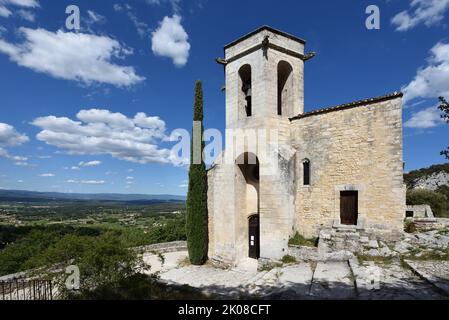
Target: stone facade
{"type": "Point", "coordinates": [355, 147]}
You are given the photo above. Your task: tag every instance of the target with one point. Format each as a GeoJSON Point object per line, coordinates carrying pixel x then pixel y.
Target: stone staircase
{"type": "Point", "coordinates": [341, 243]}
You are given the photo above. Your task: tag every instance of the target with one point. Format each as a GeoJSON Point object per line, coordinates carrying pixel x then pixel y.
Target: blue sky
{"type": "Point", "coordinates": [91, 111]}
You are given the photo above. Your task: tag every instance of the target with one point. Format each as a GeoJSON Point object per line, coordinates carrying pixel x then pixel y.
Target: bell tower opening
{"type": "Point", "coordinates": [285, 87]}
{"type": "Point", "coordinates": [245, 94]}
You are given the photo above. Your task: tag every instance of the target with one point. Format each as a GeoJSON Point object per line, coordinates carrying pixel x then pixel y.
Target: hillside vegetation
{"type": "Point", "coordinates": [414, 176]}
{"type": "Point", "coordinates": [429, 186]}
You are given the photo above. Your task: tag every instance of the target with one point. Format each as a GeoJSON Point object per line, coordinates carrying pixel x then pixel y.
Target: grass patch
{"type": "Point", "coordinates": [439, 255]}
{"type": "Point", "coordinates": [379, 259]}
{"type": "Point", "coordinates": [299, 240]}
{"type": "Point", "coordinates": [288, 259]}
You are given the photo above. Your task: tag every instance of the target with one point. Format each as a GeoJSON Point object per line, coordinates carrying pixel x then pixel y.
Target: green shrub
{"type": "Point", "coordinates": [435, 200]}
{"type": "Point", "coordinates": [410, 227]}
{"type": "Point", "coordinates": [288, 259]}
{"type": "Point", "coordinates": [299, 240]}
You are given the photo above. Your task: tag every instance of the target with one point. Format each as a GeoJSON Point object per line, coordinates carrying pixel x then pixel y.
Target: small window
{"type": "Point", "coordinates": [409, 214]}
{"type": "Point", "coordinates": [306, 172]}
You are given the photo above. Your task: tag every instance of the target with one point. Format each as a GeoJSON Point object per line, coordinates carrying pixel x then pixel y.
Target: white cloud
{"type": "Point", "coordinates": [171, 40]}
{"type": "Point", "coordinates": [81, 57]}
{"type": "Point", "coordinates": [98, 182]}
{"type": "Point", "coordinates": [424, 119]}
{"type": "Point", "coordinates": [5, 8]}
{"type": "Point", "coordinates": [75, 168]}
{"type": "Point", "coordinates": [95, 17]}
{"type": "Point", "coordinates": [21, 3]}
{"type": "Point", "coordinates": [47, 175]}
{"type": "Point", "coordinates": [129, 178]}
{"type": "Point", "coordinates": [27, 15]}
{"type": "Point", "coordinates": [5, 12]}
{"type": "Point", "coordinates": [142, 28]}
{"type": "Point", "coordinates": [433, 80]}
{"type": "Point", "coordinates": [24, 164]}
{"type": "Point", "coordinates": [9, 137]}
{"type": "Point", "coordinates": [117, 7]}
{"type": "Point", "coordinates": [429, 12]}
{"type": "Point", "coordinates": [104, 132]}
{"type": "Point", "coordinates": [173, 3]}
{"type": "Point", "coordinates": [94, 163]}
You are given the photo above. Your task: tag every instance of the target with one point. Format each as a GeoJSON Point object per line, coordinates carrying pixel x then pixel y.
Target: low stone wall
{"type": "Point", "coordinates": [303, 253]}
{"type": "Point", "coordinates": [426, 224]}
{"type": "Point", "coordinates": [419, 211]}
{"type": "Point", "coordinates": [165, 247]}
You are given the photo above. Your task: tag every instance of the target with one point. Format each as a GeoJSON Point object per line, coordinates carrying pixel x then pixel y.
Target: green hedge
{"type": "Point", "coordinates": [437, 201]}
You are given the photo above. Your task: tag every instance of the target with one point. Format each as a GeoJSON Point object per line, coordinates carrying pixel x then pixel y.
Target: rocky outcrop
{"type": "Point", "coordinates": [433, 181]}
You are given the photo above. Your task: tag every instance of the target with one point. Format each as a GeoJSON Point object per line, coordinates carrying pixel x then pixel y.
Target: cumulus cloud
{"type": "Point", "coordinates": [427, 118]}
{"type": "Point", "coordinates": [429, 12]}
{"type": "Point", "coordinates": [431, 81]}
{"type": "Point", "coordinates": [9, 137]}
{"type": "Point", "coordinates": [85, 58]}
{"type": "Point", "coordinates": [94, 163]}
{"type": "Point", "coordinates": [171, 40]}
{"type": "Point", "coordinates": [100, 132]}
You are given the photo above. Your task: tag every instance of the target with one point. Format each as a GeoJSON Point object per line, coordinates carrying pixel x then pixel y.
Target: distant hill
{"type": "Point", "coordinates": [431, 178]}
{"type": "Point", "coordinates": [32, 196]}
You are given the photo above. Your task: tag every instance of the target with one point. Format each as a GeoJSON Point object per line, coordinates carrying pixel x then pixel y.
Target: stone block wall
{"type": "Point", "coordinates": [358, 149]}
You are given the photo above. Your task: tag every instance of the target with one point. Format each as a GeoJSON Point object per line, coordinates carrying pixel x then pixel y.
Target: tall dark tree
{"type": "Point", "coordinates": [197, 216]}
{"type": "Point", "coordinates": [444, 107]}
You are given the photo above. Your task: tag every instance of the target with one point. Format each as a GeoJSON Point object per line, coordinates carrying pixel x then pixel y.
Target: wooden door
{"type": "Point", "coordinates": [253, 237]}
{"type": "Point", "coordinates": [349, 207]}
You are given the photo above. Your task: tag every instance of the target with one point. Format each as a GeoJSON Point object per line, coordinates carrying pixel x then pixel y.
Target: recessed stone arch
{"type": "Point", "coordinates": [285, 88]}
{"type": "Point", "coordinates": [245, 101]}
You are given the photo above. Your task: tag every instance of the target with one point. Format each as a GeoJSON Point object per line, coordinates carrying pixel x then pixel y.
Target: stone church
{"type": "Point", "coordinates": [335, 167]}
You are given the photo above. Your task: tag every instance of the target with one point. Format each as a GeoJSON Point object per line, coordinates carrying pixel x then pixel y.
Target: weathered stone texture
{"type": "Point", "coordinates": [354, 149]}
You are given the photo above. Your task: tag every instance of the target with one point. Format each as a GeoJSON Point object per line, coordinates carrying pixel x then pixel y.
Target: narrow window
{"type": "Point", "coordinates": [285, 87]}
{"type": "Point", "coordinates": [306, 174]}
{"type": "Point", "coordinates": [245, 96]}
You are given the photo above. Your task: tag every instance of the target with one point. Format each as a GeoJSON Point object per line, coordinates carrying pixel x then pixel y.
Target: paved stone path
{"type": "Point", "coordinates": [322, 280]}
{"type": "Point", "coordinates": [435, 272]}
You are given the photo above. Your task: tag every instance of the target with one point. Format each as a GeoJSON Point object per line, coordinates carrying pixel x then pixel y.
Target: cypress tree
{"type": "Point", "coordinates": [197, 217]}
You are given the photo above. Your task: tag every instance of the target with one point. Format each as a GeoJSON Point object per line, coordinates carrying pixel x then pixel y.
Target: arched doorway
{"type": "Point", "coordinates": [249, 167]}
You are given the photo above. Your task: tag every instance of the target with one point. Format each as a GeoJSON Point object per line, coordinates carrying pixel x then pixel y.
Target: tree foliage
{"type": "Point", "coordinates": [197, 215]}
{"type": "Point", "coordinates": [435, 200]}
{"type": "Point", "coordinates": [444, 107]}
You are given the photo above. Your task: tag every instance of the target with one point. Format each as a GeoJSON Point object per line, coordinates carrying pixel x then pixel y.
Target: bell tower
{"type": "Point", "coordinates": [264, 79]}
{"type": "Point", "coordinates": [264, 89]}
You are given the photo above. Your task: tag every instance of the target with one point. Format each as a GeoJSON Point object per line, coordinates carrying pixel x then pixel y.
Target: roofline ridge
{"type": "Point", "coordinates": [348, 105]}
{"type": "Point", "coordinates": [265, 27]}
